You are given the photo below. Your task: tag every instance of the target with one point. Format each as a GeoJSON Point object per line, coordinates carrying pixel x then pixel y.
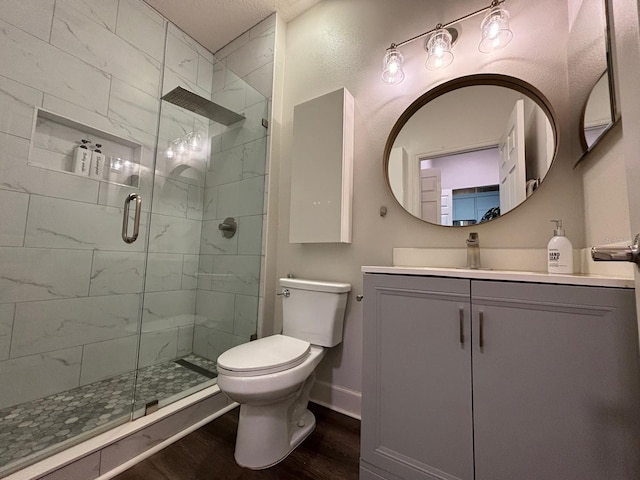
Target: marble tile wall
{"type": "Point", "coordinates": [228, 297]}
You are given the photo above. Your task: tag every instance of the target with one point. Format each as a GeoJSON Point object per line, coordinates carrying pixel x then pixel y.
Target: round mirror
{"type": "Point", "coordinates": [470, 150]}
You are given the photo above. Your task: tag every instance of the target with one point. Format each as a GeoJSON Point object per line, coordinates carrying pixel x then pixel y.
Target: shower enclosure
{"type": "Point", "coordinates": [118, 286]}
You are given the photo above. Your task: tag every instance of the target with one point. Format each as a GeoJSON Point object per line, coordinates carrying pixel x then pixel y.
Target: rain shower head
{"type": "Point", "coordinates": [197, 104]}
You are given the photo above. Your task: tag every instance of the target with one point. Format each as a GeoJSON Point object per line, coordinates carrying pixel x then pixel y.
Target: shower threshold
{"type": "Point", "coordinates": [42, 427]}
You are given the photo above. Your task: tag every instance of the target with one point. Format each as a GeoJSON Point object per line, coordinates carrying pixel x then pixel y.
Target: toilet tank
{"type": "Point", "coordinates": [314, 310]}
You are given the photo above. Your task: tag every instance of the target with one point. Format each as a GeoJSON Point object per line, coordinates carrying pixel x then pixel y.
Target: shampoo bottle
{"type": "Point", "coordinates": [97, 162]}
{"type": "Point", "coordinates": [82, 158]}
{"type": "Point", "coordinates": [559, 251]}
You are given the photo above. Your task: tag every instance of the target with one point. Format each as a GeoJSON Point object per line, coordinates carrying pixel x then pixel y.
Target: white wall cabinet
{"type": "Point", "coordinates": [488, 380]}
{"type": "Point", "coordinates": [322, 169]}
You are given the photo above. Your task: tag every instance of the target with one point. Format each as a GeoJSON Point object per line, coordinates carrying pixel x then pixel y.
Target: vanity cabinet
{"type": "Point", "coordinates": [493, 380]}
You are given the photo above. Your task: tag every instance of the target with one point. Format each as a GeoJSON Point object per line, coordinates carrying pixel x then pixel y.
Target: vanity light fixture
{"type": "Point", "coordinates": [495, 34]}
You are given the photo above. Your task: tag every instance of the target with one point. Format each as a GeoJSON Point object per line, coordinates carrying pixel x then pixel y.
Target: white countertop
{"type": "Point", "coordinates": [507, 275]}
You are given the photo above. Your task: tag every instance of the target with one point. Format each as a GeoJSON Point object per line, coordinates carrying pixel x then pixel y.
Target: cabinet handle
{"type": "Point", "coordinates": [462, 327]}
{"type": "Point", "coordinates": [481, 342]}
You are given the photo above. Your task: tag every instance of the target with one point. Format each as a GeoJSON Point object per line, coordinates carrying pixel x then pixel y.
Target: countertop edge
{"type": "Point", "coordinates": [505, 275]}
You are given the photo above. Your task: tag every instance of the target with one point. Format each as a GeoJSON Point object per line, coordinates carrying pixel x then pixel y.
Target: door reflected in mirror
{"type": "Point", "coordinates": [470, 153]}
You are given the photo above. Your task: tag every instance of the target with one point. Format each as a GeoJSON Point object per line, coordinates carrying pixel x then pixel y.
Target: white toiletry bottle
{"type": "Point", "coordinates": [82, 158]}
{"type": "Point", "coordinates": [97, 162]}
{"type": "Point", "coordinates": [559, 251]}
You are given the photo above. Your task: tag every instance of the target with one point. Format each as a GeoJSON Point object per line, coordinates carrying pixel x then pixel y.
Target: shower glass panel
{"type": "Point", "coordinates": [70, 288]}
{"type": "Point", "coordinates": [93, 328]}
{"type": "Point", "coordinates": [201, 291]}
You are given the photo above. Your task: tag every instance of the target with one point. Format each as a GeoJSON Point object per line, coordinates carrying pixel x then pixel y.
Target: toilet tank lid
{"type": "Point", "coordinates": [316, 285]}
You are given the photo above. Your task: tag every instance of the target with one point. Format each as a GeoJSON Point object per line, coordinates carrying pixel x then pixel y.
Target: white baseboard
{"type": "Point", "coordinates": [342, 400]}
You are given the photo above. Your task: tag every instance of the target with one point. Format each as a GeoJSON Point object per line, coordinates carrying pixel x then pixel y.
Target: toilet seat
{"type": "Point", "coordinates": [264, 356]}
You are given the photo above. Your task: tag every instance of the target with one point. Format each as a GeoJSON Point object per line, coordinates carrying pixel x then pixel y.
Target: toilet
{"type": "Point", "coordinates": [271, 377]}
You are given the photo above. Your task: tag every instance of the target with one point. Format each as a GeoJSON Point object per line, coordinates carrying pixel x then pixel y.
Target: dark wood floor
{"type": "Point", "coordinates": [331, 452]}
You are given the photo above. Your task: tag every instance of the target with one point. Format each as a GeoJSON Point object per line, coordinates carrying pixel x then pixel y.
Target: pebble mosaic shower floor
{"type": "Point", "coordinates": [33, 429]}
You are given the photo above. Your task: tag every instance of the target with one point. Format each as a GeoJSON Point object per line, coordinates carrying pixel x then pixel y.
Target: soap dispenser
{"type": "Point", "coordinates": [82, 158]}
{"type": "Point", "coordinates": [97, 162]}
{"type": "Point", "coordinates": [559, 251]}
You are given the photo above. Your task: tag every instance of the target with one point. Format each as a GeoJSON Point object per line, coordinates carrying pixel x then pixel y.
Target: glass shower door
{"type": "Point", "coordinates": [70, 287]}
{"type": "Point", "coordinates": [205, 244]}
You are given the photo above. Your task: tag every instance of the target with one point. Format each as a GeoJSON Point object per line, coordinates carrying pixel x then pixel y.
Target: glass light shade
{"type": "Point", "coordinates": [439, 50]}
{"type": "Point", "coordinates": [392, 67]}
{"type": "Point", "coordinates": [495, 30]}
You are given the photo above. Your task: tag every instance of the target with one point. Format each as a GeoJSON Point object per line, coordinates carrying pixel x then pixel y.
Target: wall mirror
{"type": "Point", "coordinates": [589, 59]}
{"type": "Point", "coordinates": [470, 150]}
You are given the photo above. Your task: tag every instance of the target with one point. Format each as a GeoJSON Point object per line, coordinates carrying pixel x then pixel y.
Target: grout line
{"type": "Point", "coordinates": [53, 17]}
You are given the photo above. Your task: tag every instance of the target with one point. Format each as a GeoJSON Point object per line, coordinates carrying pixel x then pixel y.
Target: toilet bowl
{"type": "Point", "coordinates": [271, 378]}
{"type": "Point", "coordinates": [273, 410]}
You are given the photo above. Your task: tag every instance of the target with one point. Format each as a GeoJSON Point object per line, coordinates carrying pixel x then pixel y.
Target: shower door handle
{"type": "Point", "coordinates": [136, 218]}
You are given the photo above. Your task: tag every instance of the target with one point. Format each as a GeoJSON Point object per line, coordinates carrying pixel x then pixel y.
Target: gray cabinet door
{"type": "Point", "coordinates": [555, 386]}
{"type": "Point", "coordinates": [416, 402]}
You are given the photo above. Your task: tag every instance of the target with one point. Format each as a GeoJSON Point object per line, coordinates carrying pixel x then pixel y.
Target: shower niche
{"type": "Point", "coordinates": [54, 141]}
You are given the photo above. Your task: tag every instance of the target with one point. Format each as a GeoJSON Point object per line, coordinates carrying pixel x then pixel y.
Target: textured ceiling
{"type": "Point", "coordinates": [214, 23]}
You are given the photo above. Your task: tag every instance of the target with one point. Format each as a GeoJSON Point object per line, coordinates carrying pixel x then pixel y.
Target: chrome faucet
{"type": "Point", "coordinates": [473, 251]}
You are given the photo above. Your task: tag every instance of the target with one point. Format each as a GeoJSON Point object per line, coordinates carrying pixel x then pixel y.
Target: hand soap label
{"type": "Point", "coordinates": [554, 258]}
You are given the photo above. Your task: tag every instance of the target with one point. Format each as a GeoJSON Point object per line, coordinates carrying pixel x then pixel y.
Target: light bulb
{"type": "Point", "coordinates": [170, 152]}
{"type": "Point", "coordinates": [495, 30]}
{"type": "Point", "coordinates": [195, 142]}
{"type": "Point", "coordinates": [117, 164]}
{"type": "Point", "coordinates": [392, 66]}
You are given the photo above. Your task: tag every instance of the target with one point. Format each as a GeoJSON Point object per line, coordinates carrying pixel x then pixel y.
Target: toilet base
{"type": "Point", "coordinates": [270, 445]}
